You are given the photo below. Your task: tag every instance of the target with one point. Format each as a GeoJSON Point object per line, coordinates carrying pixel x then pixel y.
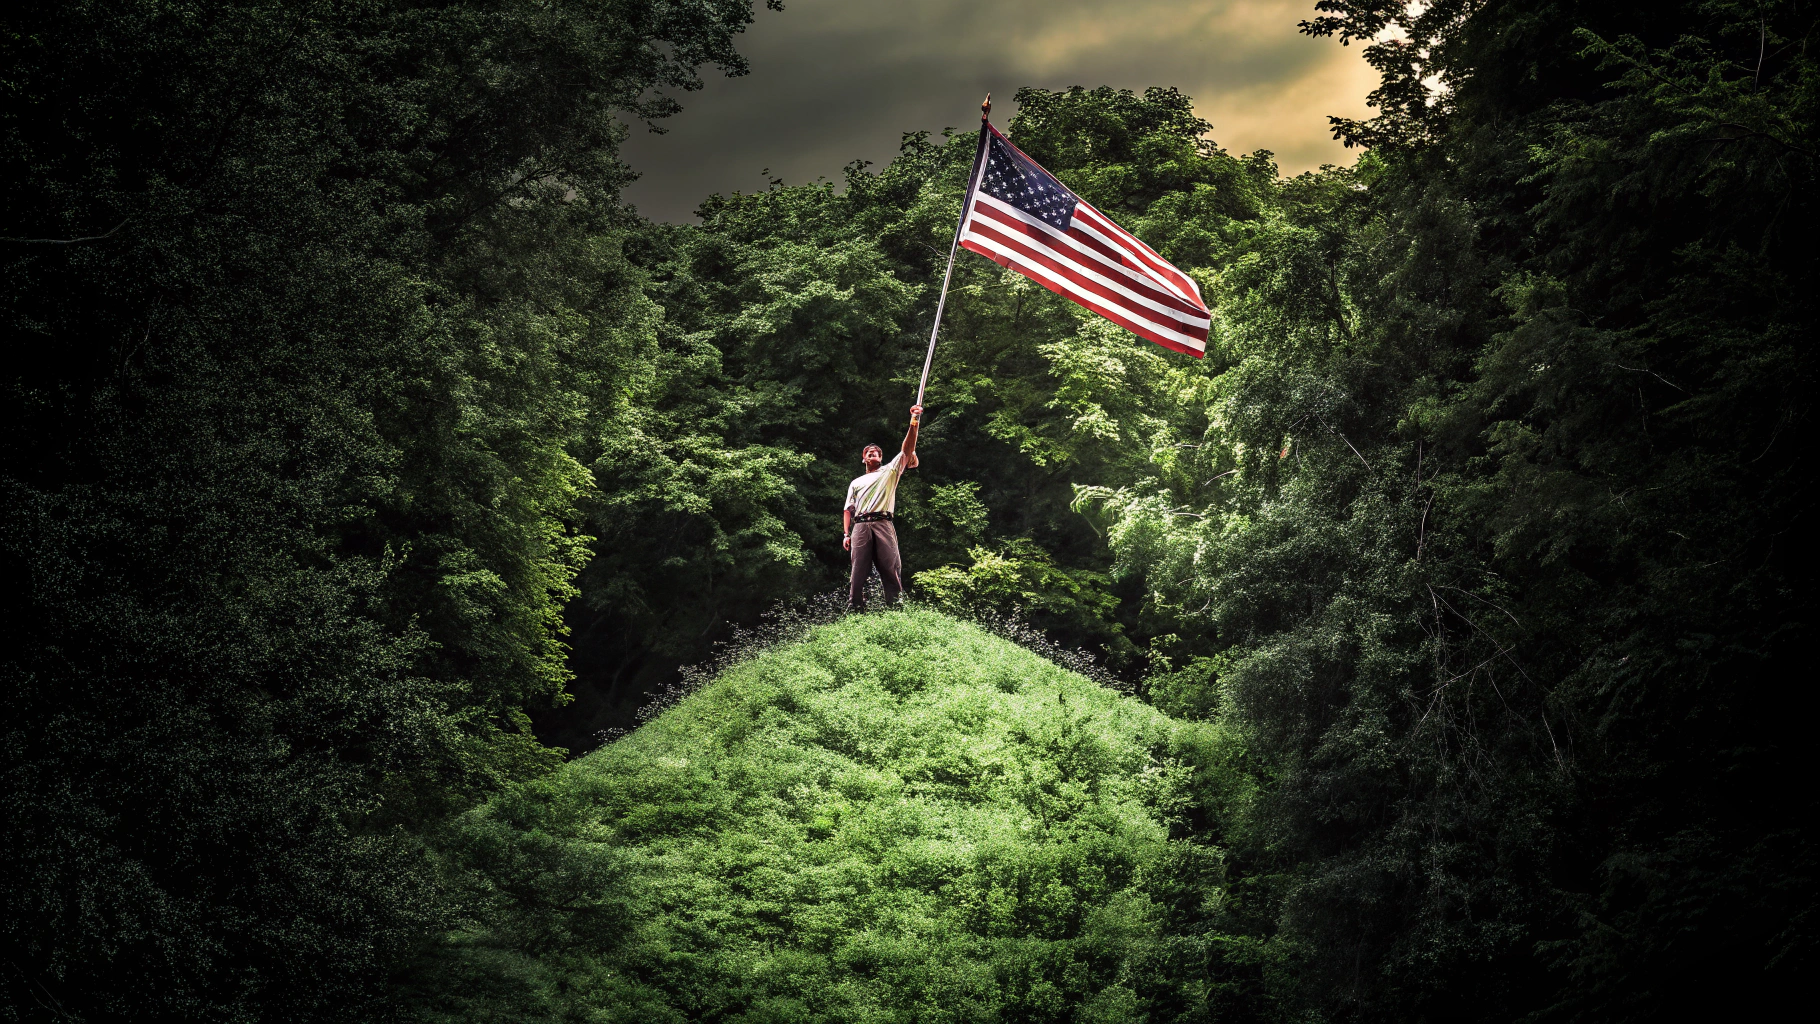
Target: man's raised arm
{"type": "Point", "coordinates": [910, 460]}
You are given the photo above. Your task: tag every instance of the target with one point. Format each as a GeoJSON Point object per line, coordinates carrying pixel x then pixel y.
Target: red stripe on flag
{"type": "Point", "coordinates": [1143, 253]}
{"type": "Point", "coordinates": [1146, 286]}
{"type": "Point", "coordinates": [1045, 257]}
{"type": "Point", "coordinates": [1196, 327]}
{"type": "Point", "coordinates": [1137, 329]}
{"type": "Point", "coordinates": [1192, 341]}
{"type": "Point", "coordinates": [1118, 264]}
{"type": "Point", "coordinates": [1126, 259]}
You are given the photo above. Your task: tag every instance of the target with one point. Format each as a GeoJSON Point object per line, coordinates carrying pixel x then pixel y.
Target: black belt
{"type": "Point", "coordinates": [872, 517]}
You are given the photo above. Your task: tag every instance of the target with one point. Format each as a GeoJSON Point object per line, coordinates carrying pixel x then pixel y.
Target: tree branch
{"type": "Point", "coordinates": [69, 241]}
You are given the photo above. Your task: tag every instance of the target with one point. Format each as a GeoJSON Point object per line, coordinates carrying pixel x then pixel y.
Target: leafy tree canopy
{"type": "Point", "coordinates": [365, 416]}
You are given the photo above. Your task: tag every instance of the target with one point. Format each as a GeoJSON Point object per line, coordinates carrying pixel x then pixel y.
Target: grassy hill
{"type": "Point", "coordinates": [899, 818]}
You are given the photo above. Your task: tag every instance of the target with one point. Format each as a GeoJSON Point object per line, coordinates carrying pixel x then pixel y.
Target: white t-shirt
{"type": "Point", "coordinates": [877, 490]}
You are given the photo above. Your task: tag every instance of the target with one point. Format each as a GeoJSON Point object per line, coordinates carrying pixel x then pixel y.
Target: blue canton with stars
{"type": "Point", "coordinates": [1011, 177]}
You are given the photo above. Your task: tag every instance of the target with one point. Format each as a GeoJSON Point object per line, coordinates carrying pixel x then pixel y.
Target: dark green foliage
{"type": "Point", "coordinates": [898, 818]}
{"type": "Point", "coordinates": [308, 305]}
{"type": "Point", "coordinates": [1472, 549]}
{"type": "Point", "coordinates": [1504, 590]}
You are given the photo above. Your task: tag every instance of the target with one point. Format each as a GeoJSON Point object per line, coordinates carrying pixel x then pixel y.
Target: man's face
{"type": "Point", "coordinates": [873, 457]}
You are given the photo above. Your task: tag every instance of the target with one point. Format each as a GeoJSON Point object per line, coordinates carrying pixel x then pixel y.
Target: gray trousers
{"type": "Point", "coordinates": [875, 544]}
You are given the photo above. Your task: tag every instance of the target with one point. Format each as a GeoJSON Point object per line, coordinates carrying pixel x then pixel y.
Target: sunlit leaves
{"type": "Point", "coordinates": [898, 818]}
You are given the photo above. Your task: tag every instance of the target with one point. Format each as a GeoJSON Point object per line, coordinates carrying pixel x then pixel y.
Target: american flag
{"type": "Point", "coordinates": [1020, 217]}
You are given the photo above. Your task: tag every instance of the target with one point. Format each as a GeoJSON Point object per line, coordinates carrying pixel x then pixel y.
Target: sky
{"type": "Point", "coordinates": [837, 80]}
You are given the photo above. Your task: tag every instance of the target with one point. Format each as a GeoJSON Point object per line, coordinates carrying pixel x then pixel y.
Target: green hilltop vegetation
{"type": "Point", "coordinates": [900, 817]}
{"type": "Point", "coordinates": [367, 463]}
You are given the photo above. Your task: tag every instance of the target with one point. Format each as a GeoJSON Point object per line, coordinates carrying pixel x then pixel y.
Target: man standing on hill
{"type": "Point", "coordinates": [867, 522]}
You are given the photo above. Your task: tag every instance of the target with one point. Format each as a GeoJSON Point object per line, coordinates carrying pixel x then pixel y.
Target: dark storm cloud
{"type": "Point", "coordinates": [835, 80]}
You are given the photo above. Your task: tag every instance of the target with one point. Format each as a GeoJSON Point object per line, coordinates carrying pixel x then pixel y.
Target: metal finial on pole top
{"type": "Point", "coordinates": [979, 160]}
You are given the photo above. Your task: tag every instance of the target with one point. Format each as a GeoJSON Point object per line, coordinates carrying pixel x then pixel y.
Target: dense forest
{"type": "Point", "coordinates": [370, 468]}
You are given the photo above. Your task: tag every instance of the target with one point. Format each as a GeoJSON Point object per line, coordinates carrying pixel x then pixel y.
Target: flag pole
{"type": "Point", "coordinates": [953, 247]}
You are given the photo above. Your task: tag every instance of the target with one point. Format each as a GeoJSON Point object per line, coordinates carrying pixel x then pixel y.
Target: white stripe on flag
{"type": "Point", "coordinates": [1081, 260]}
{"type": "Point", "coordinates": [1137, 323]}
{"type": "Point", "coordinates": [1066, 252]}
{"type": "Point", "coordinates": [1059, 283]}
{"type": "Point", "coordinates": [1088, 261]}
{"type": "Point", "coordinates": [1094, 262]}
{"type": "Point", "coordinates": [1098, 225]}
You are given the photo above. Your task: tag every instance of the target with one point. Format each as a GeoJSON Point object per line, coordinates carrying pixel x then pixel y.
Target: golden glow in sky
{"type": "Point", "coordinates": [836, 80]}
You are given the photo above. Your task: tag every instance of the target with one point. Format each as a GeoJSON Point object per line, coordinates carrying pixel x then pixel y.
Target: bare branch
{"type": "Point", "coordinates": [1652, 373]}
{"type": "Point", "coordinates": [69, 241]}
{"type": "Point", "coordinates": [1342, 437]}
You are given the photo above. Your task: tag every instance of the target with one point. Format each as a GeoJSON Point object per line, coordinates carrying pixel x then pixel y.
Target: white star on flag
{"type": "Point", "coordinates": [1022, 218]}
